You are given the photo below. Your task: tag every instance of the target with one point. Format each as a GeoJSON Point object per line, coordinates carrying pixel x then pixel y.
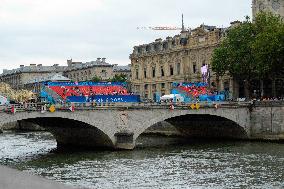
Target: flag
{"type": "Point", "coordinates": [13, 109]}
{"type": "Point", "coordinates": [72, 108]}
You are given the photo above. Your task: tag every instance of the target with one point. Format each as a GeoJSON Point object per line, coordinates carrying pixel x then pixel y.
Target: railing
{"type": "Point", "coordinates": [43, 107]}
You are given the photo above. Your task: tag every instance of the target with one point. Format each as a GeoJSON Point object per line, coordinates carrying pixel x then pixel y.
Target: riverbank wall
{"type": "Point", "coordinates": [14, 179]}
{"type": "Point", "coordinates": [267, 122]}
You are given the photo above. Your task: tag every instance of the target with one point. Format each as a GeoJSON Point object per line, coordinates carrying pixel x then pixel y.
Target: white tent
{"type": "Point", "coordinates": [174, 97]}
{"type": "Point", "coordinates": [3, 100]}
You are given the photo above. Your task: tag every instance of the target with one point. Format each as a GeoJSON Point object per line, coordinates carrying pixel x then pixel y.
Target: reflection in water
{"type": "Point", "coordinates": [167, 164]}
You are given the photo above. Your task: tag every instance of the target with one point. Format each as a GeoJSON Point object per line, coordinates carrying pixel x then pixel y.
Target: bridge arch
{"type": "Point", "coordinates": [239, 118]}
{"type": "Point", "coordinates": [69, 130]}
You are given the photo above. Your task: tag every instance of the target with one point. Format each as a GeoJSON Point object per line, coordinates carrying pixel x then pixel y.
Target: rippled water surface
{"type": "Point", "coordinates": [166, 164]}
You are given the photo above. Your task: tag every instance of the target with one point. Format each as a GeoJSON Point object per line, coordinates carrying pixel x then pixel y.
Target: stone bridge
{"type": "Point", "coordinates": [119, 127]}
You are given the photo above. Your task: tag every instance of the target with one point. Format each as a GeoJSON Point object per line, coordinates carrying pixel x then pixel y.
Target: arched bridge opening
{"type": "Point", "coordinates": [73, 134]}
{"type": "Point", "coordinates": [207, 126]}
{"type": "Point", "coordinates": [198, 126]}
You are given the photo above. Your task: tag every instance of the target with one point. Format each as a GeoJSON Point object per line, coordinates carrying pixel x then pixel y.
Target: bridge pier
{"type": "Point", "coordinates": [124, 140]}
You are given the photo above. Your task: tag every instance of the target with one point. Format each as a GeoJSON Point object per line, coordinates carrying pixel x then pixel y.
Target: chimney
{"type": "Point", "coordinates": [69, 62]}
{"type": "Point", "coordinates": [55, 65]}
{"type": "Point", "coordinates": [39, 65]}
{"type": "Point", "coordinates": [98, 59]}
{"type": "Point", "coordinates": [103, 59]}
{"type": "Point", "coordinates": [21, 66]}
{"type": "Point", "coordinates": [32, 65]}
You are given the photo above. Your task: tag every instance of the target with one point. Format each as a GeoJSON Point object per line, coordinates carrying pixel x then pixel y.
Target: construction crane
{"type": "Point", "coordinates": [165, 27]}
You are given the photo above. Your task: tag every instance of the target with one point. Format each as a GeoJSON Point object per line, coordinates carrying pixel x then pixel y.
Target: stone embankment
{"type": "Point", "coordinates": [14, 179]}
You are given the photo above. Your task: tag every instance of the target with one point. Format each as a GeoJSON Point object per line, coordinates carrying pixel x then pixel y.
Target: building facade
{"type": "Point", "coordinates": [274, 6]}
{"type": "Point", "coordinates": [17, 78]}
{"type": "Point", "coordinates": [124, 70]}
{"type": "Point", "coordinates": [27, 76]}
{"type": "Point", "coordinates": [155, 66]}
{"type": "Point", "coordinates": [78, 71]}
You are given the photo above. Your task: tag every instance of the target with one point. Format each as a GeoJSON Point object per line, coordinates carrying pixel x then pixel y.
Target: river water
{"type": "Point", "coordinates": [166, 164]}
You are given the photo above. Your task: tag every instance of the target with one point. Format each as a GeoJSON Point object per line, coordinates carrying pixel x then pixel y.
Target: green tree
{"type": "Point", "coordinates": [119, 78]}
{"type": "Point", "coordinates": [268, 47]}
{"type": "Point", "coordinates": [234, 56]}
{"type": "Point", "coordinates": [252, 50]}
{"type": "Point", "coordinates": [96, 79]}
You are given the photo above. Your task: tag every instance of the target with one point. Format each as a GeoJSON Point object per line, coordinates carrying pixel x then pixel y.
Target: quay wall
{"type": "Point", "coordinates": [267, 122]}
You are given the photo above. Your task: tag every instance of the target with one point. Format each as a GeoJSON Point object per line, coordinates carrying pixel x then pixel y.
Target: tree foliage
{"type": "Point", "coordinates": [96, 79]}
{"type": "Point", "coordinates": [119, 78]}
{"type": "Point", "coordinates": [252, 49]}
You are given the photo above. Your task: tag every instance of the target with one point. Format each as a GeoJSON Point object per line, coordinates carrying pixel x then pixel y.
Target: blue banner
{"type": "Point", "coordinates": [104, 98]}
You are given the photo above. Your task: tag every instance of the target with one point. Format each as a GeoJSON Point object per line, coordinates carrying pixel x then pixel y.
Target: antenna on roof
{"type": "Point", "coordinates": [182, 27]}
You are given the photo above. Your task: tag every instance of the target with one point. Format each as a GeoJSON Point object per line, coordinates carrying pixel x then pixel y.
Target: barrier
{"type": "Point", "coordinates": [104, 98]}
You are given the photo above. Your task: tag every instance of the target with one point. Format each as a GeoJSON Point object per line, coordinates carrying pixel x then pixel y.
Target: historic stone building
{"type": "Point", "coordinates": [125, 70]}
{"type": "Point", "coordinates": [155, 66]}
{"type": "Point", "coordinates": [78, 71]}
{"type": "Point", "coordinates": [275, 6]}
{"type": "Point", "coordinates": [18, 77]}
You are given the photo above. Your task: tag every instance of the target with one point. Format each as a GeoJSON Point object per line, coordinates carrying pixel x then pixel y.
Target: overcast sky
{"type": "Point", "coordinates": [51, 31]}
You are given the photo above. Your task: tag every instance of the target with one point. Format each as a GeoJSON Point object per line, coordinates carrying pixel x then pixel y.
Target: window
{"type": "Point", "coordinates": [146, 86]}
{"type": "Point", "coordinates": [137, 72]}
{"type": "Point", "coordinates": [226, 86]}
{"type": "Point", "coordinates": [145, 73]}
{"type": "Point", "coordinates": [137, 88]}
{"type": "Point", "coordinates": [153, 72]}
{"type": "Point", "coordinates": [162, 85]}
{"type": "Point", "coordinates": [194, 68]}
{"type": "Point", "coordinates": [171, 70]}
{"type": "Point", "coordinates": [178, 68]}
{"type": "Point", "coordinates": [154, 87]}
{"type": "Point", "coordinates": [162, 71]}
{"type": "Point", "coordinates": [104, 73]}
